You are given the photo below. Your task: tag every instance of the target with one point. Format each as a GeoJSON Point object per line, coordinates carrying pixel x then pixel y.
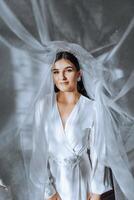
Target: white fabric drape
{"type": "Point", "coordinates": [113, 96]}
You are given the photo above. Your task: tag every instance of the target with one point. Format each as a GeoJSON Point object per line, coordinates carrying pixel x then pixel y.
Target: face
{"type": "Point", "coordinates": [65, 75]}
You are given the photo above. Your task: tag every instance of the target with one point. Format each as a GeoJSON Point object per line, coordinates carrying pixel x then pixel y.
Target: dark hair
{"type": "Point", "coordinates": [69, 56]}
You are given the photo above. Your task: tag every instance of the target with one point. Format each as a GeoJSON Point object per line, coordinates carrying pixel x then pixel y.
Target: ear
{"type": "Point", "coordinates": [80, 73]}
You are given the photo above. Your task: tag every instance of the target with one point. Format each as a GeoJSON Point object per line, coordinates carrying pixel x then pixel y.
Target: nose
{"type": "Point", "coordinates": [62, 75]}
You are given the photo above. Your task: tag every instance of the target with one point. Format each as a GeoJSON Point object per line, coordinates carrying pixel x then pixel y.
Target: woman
{"type": "Point", "coordinates": [72, 175]}
{"type": "Point", "coordinates": [114, 119]}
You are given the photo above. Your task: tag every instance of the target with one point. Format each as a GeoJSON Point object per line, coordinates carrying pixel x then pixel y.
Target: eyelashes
{"type": "Point", "coordinates": [55, 72]}
{"type": "Point", "coordinates": [67, 70]}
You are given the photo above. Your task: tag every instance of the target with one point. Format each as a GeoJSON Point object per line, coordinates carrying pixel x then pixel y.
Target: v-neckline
{"type": "Point", "coordinates": [70, 114]}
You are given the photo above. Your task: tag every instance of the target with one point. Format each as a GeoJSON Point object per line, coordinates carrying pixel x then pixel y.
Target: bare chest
{"type": "Point", "coordinates": [65, 111]}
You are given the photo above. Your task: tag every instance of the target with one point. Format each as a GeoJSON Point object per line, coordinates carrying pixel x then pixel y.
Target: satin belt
{"type": "Point", "coordinates": [71, 161]}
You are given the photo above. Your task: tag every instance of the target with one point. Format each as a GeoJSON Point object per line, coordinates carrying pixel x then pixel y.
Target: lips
{"type": "Point", "coordinates": [65, 82]}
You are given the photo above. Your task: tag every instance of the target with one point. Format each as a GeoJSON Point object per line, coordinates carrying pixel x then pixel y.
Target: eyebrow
{"type": "Point", "coordinates": [54, 69]}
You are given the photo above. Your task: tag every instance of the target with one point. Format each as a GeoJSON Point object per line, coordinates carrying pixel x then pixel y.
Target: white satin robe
{"type": "Point", "coordinates": [70, 171]}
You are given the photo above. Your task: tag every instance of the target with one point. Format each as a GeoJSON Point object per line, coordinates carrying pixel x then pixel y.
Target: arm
{"type": "Point", "coordinates": [50, 190]}
{"type": "Point", "coordinates": [40, 150]}
{"type": "Point", "coordinates": [100, 174]}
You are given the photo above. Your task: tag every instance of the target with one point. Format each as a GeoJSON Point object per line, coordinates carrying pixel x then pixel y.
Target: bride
{"type": "Point", "coordinates": [69, 132]}
{"type": "Point", "coordinates": [73, 115]}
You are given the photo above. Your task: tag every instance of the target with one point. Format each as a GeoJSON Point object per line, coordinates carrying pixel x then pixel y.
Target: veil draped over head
{"type": "Point", "coordinates": [108, 80]}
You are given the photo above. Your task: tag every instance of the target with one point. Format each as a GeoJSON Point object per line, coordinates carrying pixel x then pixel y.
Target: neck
{"type": "Point", "coordinates": [68, 97]}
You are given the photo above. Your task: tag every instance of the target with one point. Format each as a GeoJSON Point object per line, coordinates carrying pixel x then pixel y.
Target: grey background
{"type": "Point", "coordinates": [92, 24]}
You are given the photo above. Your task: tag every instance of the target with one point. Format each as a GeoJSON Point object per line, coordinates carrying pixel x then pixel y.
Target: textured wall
{"type": "Point", "coordinates": [92, 24]}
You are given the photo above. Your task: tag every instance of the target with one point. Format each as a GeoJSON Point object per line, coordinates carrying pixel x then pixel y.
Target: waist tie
{"type": "Point", "coordinates": [71, 161]}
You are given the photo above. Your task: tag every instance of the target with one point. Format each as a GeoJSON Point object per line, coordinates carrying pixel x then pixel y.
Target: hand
{"type": "Point", "coordinates": [55, 197]}
{"type": "Point", "coordinates": [88, 196]}
{"type": "Point", "coordinates": [95, 197]}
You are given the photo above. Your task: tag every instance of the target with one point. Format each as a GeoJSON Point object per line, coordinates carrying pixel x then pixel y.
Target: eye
{"type": "Point", "coordinates": [69, 70]}
{"type": "Point", "coordinates": [55, 72]}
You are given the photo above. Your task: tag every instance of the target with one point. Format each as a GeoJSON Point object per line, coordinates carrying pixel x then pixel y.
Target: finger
{"type": "Point", "coordinates": [88, 197]}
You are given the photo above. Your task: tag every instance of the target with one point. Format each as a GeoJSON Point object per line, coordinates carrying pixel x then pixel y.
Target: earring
{"type": "Point", "coordinates": [79, 79]}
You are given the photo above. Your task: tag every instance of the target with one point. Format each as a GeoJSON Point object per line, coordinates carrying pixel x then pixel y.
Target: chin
{"type": "Point", "coordinates": [66, 90]}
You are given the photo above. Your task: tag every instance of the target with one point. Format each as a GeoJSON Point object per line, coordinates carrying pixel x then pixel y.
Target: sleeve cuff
{"type": "Point", "coordinates": [99, 188]}
{"type": "Point", "coordinates": [49, 191]}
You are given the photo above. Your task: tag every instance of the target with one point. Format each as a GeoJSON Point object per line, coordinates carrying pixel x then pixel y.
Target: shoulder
{"type": "Point", "coordinates": [87, 100]}
{"type": "Point", "coordinates": [87, 104]}
{"type": "Point", "coordinates": [87, 108]}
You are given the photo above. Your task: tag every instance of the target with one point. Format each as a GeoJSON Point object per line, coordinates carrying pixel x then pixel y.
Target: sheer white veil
{"type": "Point", "coordinates": [111, 120]}
{"type": "Point", "coordinates": [114, 118]}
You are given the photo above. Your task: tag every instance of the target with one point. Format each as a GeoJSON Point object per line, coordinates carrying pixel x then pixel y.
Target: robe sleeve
{"type": "Point", "coordinates": [49, 186]}
{"type": "Point", "coordinates": [49, 189]}
{"type": "Point", "coordinates": [100, 181]}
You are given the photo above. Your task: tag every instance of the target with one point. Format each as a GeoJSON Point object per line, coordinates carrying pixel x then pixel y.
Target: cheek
{"type": "Point", "coordinates": [73, 78]}
{"type": "Point", "coordinates": [55, 79]}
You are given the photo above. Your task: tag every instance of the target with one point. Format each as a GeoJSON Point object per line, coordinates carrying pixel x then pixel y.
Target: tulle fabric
{"type": "Point", "coordinates": [107, 80]}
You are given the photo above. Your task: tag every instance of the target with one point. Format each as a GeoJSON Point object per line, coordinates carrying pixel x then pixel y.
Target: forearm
{"type": "Point", "coordinates": [50, 189]}
{"type": "Point", "coordinates": [100, 181]}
